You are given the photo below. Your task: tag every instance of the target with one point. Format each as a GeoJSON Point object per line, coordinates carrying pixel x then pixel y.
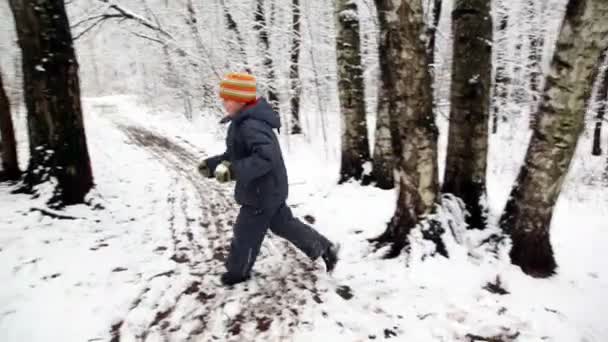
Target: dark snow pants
{"type": "Point", "coordinates": [251, 227]}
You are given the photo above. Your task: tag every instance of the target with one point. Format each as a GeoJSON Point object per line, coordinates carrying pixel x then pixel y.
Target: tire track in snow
{"type": "Point", "coordinates": [187, 302]}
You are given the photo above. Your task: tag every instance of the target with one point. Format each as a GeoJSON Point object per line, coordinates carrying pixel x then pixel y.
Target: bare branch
{"type": "Point", "coordinates": [98, 22]}
{"type": "Point", "coordinates": [83, 21]}
{"type": "Point", "coordinates": [148, 38]}
{"type": "Point", "coordinates": [128, 14]}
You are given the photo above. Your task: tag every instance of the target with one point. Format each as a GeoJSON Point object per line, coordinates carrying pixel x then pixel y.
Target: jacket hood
{"type": "Point", "coordinates": [259, 110]}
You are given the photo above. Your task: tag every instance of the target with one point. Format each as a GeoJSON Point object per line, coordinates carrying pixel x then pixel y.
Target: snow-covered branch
{"type": "Point", "coordinates": [117, 11]}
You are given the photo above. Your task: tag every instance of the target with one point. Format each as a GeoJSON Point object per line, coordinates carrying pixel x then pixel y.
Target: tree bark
{"type": "Point", "coordinates": [433, 29]}
{"type": "Point", "coordinates": [387, 142]}
{"type": "Point", "coordinates": [528, 213]}
{"type": "Point", "coordinates": [465, 170]}
{"type": "Point", "coordinates": [10, 164]}
{"type": "Point", "coordinates": [383, 167]}
{"type": "Point", "coordinates": [294, 69]}
{"type": "Point", "coordinates": [355, 144]}
{"type": "Point", "coordinates": [52, 95]}
{"type": "Point", "coordinates": [409, 94]}
{"type": "Point", "coordinates": [262, 29]}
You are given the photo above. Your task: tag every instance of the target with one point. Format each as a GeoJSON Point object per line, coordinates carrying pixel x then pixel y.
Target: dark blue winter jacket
{"type": "Point", "coordinates": [256, 160]}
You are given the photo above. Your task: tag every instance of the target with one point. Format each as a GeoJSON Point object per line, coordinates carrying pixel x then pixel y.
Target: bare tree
{"type": "Point", "coordinates": [355, 144]}
{"type": "Point", "coordinates": [192, 20]}
{"type": "Point", "coordinates": [233, 26]}
{"type": "Point", "coordinates": [58, 146]}
{"type": "Point", "coordinates": [10, 164]}
{"type": "Point", "coordinates": [602, 103]}
{"type": "Point", "coordinates": [528, 213]}
{"type": "Point", "coordinates": [407, 72]}
{"type": "Point", "coordinates": [535, 43]}
{"type": "Point", "coordinates": [262, 29]}
{"type": "Point", "coordinates": [465, 170]}
{"type": "Point", "coordinates": [500, 91]}
{"type": "Point", "coordinates": [294, 68]}
{"type": "Point", "coordinates": [433, 27]}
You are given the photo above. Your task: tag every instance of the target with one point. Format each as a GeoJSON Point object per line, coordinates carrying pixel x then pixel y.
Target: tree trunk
{"type": "Point", "coordinates": [384, 152]}
{"type": "Point", "coordinates": [536, 42]}
{"type": "Point", "coordinates": [528, 213]}
{"type": "Point", "coordinates": [52, 95]}
{"type": "Point", "coordinates": [387, 145]}
{"type": "Point", "coordinates": [465, 171]}
{"type": "Point", "coordinates": [501, 80]}
{"type": "Point", "coordinates": [602, 103]}
{"type": "Point", "coordinates": [10, 164]}
{"type": "Point", "coordinates": [355, 144]}
{"type": "Point", "coordinates": [232, 26]}
{"type": "Point", "coordinates": [597, 138]}
{"type": "Point", "coordinates": [433, 29]}
{"type": "Point", "coordinates": [294, 69]}
{"type": "Point", "coordinates": [409, 94]}
{"type": "Point", "coordinates": [205, 90]}
{"type": "Point", "coordinates": [262, 29]}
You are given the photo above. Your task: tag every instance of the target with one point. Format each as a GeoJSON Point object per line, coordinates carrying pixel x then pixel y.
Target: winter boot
{"type": "Point", "coordinates": [330, 257]}
{"type": "Point", "coordinates": [228, 279]}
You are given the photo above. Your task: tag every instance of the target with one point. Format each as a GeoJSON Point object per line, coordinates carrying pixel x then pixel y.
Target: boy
{"type": "Point", "coordinates": [253, 158]}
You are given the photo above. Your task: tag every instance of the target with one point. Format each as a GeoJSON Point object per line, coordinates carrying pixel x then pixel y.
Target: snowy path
{"type": "Point", "coordinates": [187, 302]}
{"type": "Point", "coordinates": [142, 261]}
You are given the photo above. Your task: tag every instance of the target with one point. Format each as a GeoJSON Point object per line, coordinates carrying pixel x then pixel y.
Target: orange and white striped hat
{"type": "Point", "coordinates": [238, 86]}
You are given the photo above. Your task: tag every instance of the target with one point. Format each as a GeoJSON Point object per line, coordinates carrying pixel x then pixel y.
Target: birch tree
{"type": "Point", "coordinates": [8, 156]}
{"type": "Point", "coordinates": [466, 161]}
{"type": "Point", "coordinates": [601, 103]}
{"type": "Point", "coordinates": [500, 91]}
{"type": "Point", "coordinates": [387, 143]}
{"type": "Point", "coordinates": [528, 213]}
{"type": "Point", "coordinates": [294, 68]}
{"type": "Point", "coordinates": [535, 45]}
{"type": "Point", "coordinates": [262, 30]}
{"type": "Point", "coordinates": [355, 144]}
{"type": "Point", "coordinates": [410, 95]}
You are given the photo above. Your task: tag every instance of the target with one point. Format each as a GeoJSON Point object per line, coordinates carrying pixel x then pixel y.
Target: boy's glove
{"type": "Point", "coordinates": [204, 170]}
{"type": "Point", "coordinates": [222, 172]}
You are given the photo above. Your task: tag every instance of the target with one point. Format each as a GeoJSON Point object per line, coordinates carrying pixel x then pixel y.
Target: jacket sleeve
{"type": "Point", "coordinates": [261, 146]}
{"type": "Point", "coordinates": [213, 162]}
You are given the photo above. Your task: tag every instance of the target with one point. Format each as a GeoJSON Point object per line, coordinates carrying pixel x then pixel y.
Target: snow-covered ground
{"type": "Point", "coordinates": [142, 261]}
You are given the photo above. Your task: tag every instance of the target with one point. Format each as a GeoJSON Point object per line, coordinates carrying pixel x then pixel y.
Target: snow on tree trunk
{"type": "Point", "coordinates": [355, 144]}
{"type": "Point", "coordinates": [202, 84]}
{"type": "Point", "coordinates": [231, 25]}
{"type": "Point", "coordinates": [433, 28]}
{"type": "Point", "coordinates": [500, 91]}
{"type": "Point", "coordinates": [535, 54]}
{"type": "Point", "coordinates": [387, 145]}
{"type": "Point", "coordinates": [262, 29]}
{"type": "Point", "coordinates": [58, 145]}
{"type": "Point", "coordinates": [466, 161]}
{"type": "Point", "coordinates": [294, 69]}
{"type": "Point", "coordinates": [410, 95]}
{"type": "Point", "coordinates": [602, 103]}
{"type": "Point", "coordinates": [8, 148]}
{"type": "Point", "coordinates": [528, 213]}
{"type": "Point", "coordinates": [383, 164]}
